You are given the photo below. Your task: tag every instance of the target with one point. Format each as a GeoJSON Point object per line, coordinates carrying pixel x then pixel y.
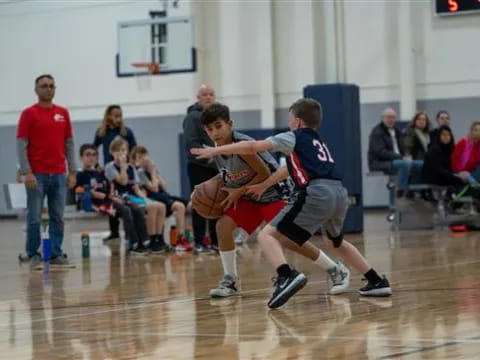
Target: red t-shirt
{"type": "Point", "coordinates": [473, 159]}
{"type": "Point", "coordinates": [45, 129]}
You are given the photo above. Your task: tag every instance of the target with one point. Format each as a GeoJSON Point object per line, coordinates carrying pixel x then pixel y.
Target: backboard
{"type": "Point", "coordinates": [166, 41]}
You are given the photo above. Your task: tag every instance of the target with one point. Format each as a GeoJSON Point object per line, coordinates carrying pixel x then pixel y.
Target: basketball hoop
{"type": "Point", "coordinates": [144, 80]}
{"type": "Point", "coordinates": [152, 67]}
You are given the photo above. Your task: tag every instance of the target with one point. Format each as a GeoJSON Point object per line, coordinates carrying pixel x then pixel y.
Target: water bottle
{"type": "Point", "coordinates": [87, 200]}
{"type": "Point", "coordinates": [85, 245]}
{"type": "Point", "coordinates": [173, 236]}
{"type": "Point", "coordinates": [189, 235]}
{"type": "Point", "coordinates": [46, 248]}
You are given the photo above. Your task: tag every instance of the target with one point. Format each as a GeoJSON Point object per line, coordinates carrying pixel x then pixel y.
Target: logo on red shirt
{"type": "Point", "coordinates": [58, 118]}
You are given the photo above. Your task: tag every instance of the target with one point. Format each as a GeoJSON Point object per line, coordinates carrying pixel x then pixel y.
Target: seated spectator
{"type": "Point", "coordinates": [156, 187]}
{"type": "Point", "coordinates": [92, 179]}
{"type": "Point", "coordinates": [437, 167]}
{"type": "Point", "coordinates": [111, 127]}
{"type": "Point", "coordinates": [443, 119]}
{"type": "Point", "coordinates": [466, 155]}
{"type": "Point", "coordinates": [417, 136]}
{"type": "Point", "coordinates": [126, 182]}
{"type": "Point", "coordinates": [386, 151]}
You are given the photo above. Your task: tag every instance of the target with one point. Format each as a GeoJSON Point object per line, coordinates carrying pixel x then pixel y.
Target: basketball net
{"type": "Point", "coordinates": [144, 81]}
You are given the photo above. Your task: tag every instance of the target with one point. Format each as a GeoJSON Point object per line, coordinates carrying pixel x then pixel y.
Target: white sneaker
{"type": "Point", "coordinates": [339, 279]}
{"type": "Point", "coordinates": [241, 236]}
{"type": "Point", "coordinates": [225, 288]}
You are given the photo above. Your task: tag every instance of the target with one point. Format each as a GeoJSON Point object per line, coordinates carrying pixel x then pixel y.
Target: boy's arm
{"type": "Point", "coordinates": [113, 174]}
{"type": "Point", "coordinates": [279, 175]}
{"type": "Point", "coordinates": [162, 183]}
{"type": "Point", "coordinates": [139, 192]}
{"type": "Point", "coordinates": [149, 184]}
{"type": "Point", "coordinates": [256, 164]}
{"type": "Point", "coordinates": [137, 187]}
{"type": "Point", "coordinates": [242, 147]}
{"type": "Point", "coordinates": [122, 177]}
{"type": "Point", "coordinates": [98, 195]}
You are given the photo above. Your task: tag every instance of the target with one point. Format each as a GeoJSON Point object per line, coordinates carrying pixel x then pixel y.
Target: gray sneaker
{"type": "Point", "coordinates": [339, 279]}
{"type": "Point", "coordinates": [36, 262]}
{"type": "Point", "coordinates": [225, 288]}
{"type": "Point", "coordinates": [24, 258]}
{"type": "Point", "coordinates": [61, 262]}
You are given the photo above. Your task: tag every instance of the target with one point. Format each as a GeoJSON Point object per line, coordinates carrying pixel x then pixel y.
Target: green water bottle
{"type": "Point", "coordinates": [189, 235]}
{"type": "Point", "coordinates": [85, 245]}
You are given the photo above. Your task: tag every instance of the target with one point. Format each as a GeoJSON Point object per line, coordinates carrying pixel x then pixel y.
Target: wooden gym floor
{"type": "Point", "coordinates": [110, 307]}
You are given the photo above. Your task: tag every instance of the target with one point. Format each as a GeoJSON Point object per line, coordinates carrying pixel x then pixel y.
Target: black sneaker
{"type": "Point", "coordinates": [380, 289]}
{"type": "Point", "coordinates": [214, 249]}
{"type": "Point", "coordinates": [111, 237]}
{"type": "Point", "coordinates": [157, 247]}
{"type": "Point", "coordinates": [286, 287]}
{"type": "Point", "coordinates": [202, 249]}
{"type": "Point", "coordinates": [140, 251]}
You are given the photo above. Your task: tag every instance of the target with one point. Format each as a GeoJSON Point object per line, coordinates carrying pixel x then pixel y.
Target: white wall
{"type": "Point", "coordinates": [445, 50]}
{"type": "Point", "coordinates": [76, 41]}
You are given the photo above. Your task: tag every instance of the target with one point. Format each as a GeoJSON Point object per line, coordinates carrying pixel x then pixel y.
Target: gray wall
{"type": "Point", "coordinates": [160, 135]}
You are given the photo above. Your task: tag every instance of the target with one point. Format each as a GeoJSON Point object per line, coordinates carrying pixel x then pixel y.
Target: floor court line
{"type": "Point", "coordinates": [243, 292]}
{"type": "Point", "coordinates": [471, 340]}
{"type": "Point", "coordinates": [424, 349]}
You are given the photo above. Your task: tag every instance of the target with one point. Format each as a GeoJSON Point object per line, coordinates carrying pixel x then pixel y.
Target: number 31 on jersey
{"type": "Point", "coordinates": [323, 153]}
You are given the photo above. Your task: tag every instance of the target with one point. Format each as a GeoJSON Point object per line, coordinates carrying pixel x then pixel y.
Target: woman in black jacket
{"type": "Point", "coordinates": [437, 167]}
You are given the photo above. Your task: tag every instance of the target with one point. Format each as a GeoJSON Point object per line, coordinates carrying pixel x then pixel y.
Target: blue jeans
{"type": "Point", "coordinates": [54, 187]}
{"type": "Point", "coordinates": [405, 169]}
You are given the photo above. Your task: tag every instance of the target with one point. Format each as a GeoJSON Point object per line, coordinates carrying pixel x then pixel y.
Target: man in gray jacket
{"type": "Point", "coordinates": [199, 170]}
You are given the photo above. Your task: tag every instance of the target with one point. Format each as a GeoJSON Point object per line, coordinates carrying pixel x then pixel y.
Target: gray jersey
{"type": "Point", "coordinates": [237, 173]}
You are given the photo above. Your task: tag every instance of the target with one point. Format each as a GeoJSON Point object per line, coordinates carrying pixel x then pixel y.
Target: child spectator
{"type": "Point", "coordinates": [156, 187]}
{"type": "Point", "coordinates": [92, 179]}
{"type": "Point", "coordinates": [111, 127]}
{"type": "Point", "coordinates": [125, 182]}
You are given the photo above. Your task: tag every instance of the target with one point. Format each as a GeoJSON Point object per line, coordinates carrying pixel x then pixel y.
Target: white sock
{"type": "Point", "coordinates": [324, 261]}
{"type": "Point", "coordinates": [229, 262]}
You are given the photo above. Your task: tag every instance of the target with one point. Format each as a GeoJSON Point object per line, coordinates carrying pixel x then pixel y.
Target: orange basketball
{"type": "Point", "coordinates": [207, 197]}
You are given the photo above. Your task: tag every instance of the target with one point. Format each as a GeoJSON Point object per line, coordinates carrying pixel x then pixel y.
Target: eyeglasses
{"type": "Point", "coordinates": [45, 86]}
{"type": "Point", "coordinates": [90, 154]}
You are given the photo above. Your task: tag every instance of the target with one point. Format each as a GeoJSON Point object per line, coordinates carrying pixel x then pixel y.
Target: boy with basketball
{"type": "Point", "coordinates": [155, 186]}
{"type": "Point", "coordinates": [246, 211]}
{"type": "Point", "coordinates": [319, 202]}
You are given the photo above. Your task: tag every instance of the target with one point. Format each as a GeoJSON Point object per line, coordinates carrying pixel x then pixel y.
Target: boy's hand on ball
{"type": "Point", "coordinates": [233, 196]}
{"type": "Point", "coordinates": [256, 191]}
{"type": "Point", "coordinates": [203, 153]}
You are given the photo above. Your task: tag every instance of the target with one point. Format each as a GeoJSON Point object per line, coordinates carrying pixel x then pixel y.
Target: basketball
{"type": "Point", "coordinates": [207, 197]}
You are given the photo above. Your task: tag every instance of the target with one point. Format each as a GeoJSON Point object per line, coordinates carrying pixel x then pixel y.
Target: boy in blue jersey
{"type": "Point", "coordinates": [320, 201]}
{"type": "Point", "coordinates": [245, 211]}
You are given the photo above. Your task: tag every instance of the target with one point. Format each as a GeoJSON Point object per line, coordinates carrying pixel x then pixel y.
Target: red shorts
{"type": "Point", "coordinates": [249, 215]}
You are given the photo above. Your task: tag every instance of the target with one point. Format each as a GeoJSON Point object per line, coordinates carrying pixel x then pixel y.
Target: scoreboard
{"type": "Point", "coordinates": [456, 7]}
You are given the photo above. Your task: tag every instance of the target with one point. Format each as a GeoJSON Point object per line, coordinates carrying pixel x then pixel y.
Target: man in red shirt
{"type": "Point", "coordinates": [44, 145]}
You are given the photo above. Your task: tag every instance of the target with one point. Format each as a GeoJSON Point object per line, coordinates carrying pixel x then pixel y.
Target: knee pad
{"type": "Point", "coordinates": [337, 240]}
